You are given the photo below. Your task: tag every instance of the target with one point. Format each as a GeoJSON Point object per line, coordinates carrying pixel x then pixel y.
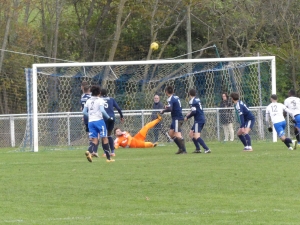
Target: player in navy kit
{"type": "Point", "coordinates": [109, 106]}
{"type": "Point", "coordinates": [199, 121]}
{"type": "Point", "coordinates": [84, 97]}
{"type": "Point", "coordinates": [174, 106]}
{"type": "Point", "coordinates": [246, 120]}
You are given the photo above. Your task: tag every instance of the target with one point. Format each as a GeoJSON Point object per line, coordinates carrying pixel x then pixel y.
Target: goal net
{"type": "Point", "coordinates": [53, 92]}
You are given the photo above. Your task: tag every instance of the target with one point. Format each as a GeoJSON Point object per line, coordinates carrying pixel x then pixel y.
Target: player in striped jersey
{"type": "Point", "coordinates": [109, 105]}
{"type": "Point", "coordinates": [94, 109]}
{"type": "Point", "coordinates": [246, 120]}
{"type": "Point", "coordinates": [275, 111]}
{"type": "Point", "coordinates": [199, 121]}
{"type": "Point", "coordinates": [293, 103]}
{"type": "Point", "coordinates": [174, 106]}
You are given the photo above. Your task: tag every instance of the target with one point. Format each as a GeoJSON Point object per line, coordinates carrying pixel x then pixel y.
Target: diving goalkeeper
{"type": "Point", "coordinates": [125, 140]}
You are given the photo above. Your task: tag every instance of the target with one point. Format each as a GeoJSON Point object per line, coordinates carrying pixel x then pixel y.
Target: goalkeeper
{"type": "Point", "coordinates": [275, 111]}
{"type": "Point", "coordinates": [125, 140]}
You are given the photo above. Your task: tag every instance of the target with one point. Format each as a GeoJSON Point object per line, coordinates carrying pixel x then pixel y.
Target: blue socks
{"type": "Point", "coordinates": [91, 148]}
{"type": "Point", "coordinates": [243, 139]}
{"type": "Point", "coordinates": [202, 143]}
{"type": "Point", "coordinates": [196, 144]}
{"type": "Point", "coordinates": [111, 144]}
{"type": "Point", "coordinates": [180, 143]}
{"type": "Point", "coordinates": [287, 142]}
{"type": "Point", "coordinates": [106, 150]}
{"type": "Point", "coordinates": [248, 139]}
{"type": "Point", "coordinates": [176, 142]}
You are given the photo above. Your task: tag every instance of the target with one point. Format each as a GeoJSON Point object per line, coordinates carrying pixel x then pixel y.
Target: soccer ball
{"type": "Point", "coordinates": [154, 46]}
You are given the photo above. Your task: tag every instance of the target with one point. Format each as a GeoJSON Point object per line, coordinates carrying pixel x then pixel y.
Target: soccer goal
{"type": "Point", "coordinates": [53, 96]}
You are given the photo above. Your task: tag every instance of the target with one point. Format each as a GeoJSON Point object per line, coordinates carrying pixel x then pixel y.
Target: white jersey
{"type": "Point", "coordinates": [93, 104]}
{"type": "Point", "coordinates": [275, 111]}
{"type": "Point", "coordinates": [293, 103]}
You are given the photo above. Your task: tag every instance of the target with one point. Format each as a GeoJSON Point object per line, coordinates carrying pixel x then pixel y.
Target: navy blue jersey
{"type": "Point", "coordinates": [84, 98]}
{"type": "Point", "coordinates": [243, 113]}
{"type": "Point", "coordinates": [196, 110]}
{"type": "Point", "coordinates": [175, 105]}
{"type": "Point", "coordinates": [109, 106]}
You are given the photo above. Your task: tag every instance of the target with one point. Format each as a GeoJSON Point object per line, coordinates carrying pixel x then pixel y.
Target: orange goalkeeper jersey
{"type": "Point", "coordinates": [126, 140]}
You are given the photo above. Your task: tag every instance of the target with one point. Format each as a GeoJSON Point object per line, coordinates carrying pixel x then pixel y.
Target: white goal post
{"type": "Point", "coordinates": [149, 73]}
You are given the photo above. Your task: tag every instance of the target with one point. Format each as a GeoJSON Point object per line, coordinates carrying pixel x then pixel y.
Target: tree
{"type": "Point", "coordinates": [282, 38]}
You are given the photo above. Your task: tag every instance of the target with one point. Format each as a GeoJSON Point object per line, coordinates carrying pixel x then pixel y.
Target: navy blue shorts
{"type": "Point", "coordinates": [249, 123]}
{"type": "Point", "coordinates": [176, 125]}
{"type": "Point", "coordinates": [110, 124]}
{"type": "Point", "coordinates": [197, 127]}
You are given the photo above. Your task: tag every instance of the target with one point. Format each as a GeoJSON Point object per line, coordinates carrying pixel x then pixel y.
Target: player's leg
{"type": "Point", "coordinates": [149, 145]}
{"type": "Point", "coordinates": [241, 136]}
{"type": "Point", "coordinates": [93, 138]}
{"type": "Point", "coordinates": [197, 135]}
{"type": "Point", "coordinates": [191, 135]}
{"type": "Point", "coordinates": [280, 127]}
{"type": "Point", "coordinates": [95, 148]}
{"type": "Point", "coordinates": [110, 126]}
{"type": "Point", "coordinates": [297, 128]}
{"type": "Point", "coordinates": [173, 137]}
{"type": "Point", "coordinates": [248, 128]}
{"type": "Point", "coordinates": [103, 136]}
{"type": "Point", "coordinates": [297, 134]}
{"type": "Point", "coordinates": [178, 137]}
{"type": "Point", "coordinates": [111, 143]}
{"type": "Point", "coordinates": [143, 132]}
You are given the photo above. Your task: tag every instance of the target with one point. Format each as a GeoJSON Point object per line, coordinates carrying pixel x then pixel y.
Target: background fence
{"type": "Point", "coordinates": [67, 129]}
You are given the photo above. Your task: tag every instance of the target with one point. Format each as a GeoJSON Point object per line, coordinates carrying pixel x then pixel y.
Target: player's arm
{"type": "Point", "coordinates": [116, 143]}
{"type": "Point", "coordinates": [286, 109]}
{"type": "Point", "coordinates": [85, 111]}
{"type": "Point", "coordinates": [104, 113]}
{"type": "Point", "coordinates": [115, 104]}
{"type": "Point", "coordinates": [168, 108]}
{"type": "Point", "coordinates": [191, 114]}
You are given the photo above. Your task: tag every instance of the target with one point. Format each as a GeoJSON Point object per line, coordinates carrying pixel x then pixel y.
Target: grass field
{"type": "Point", "coordinates": [152, 186]}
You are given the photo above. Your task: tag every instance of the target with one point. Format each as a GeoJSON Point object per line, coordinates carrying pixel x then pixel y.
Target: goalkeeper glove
{"type": "Point", "coordinates": [270, 129]}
